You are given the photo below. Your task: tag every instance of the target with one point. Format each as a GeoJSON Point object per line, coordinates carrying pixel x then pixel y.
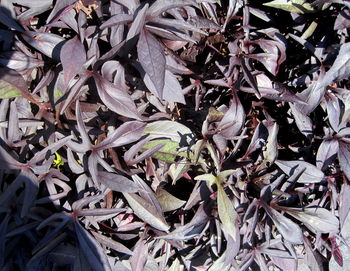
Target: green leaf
{"type": "Point", "coordinates": [167, 201]}
{"type": "Point", "coordinates": [168, 153]}
{"type": "Point", "coordinates": [57, 94]}
{"type": "Point", "coordinates": [12, 84]}
{"type": "Point", "coordinates": [227, 212]}
{"type": "Point", "coordinates": [206, 177]}
{"type": "Point", "coordinates": [295, 6]}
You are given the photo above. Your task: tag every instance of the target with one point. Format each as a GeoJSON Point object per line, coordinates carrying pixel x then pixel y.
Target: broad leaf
{"type": "Point", "coordinates": [168, 201]}
{"type": "Point", "coordinates": [308, 172]}
{"type": "Point", "coordinates": [73, 56]}
{"type": "Point", "coordinates": [152, 58]}
{"type": "Point", "coordinates": [168, 152]}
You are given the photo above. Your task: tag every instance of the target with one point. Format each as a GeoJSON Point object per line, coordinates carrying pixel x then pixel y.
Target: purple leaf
{"type": "Point", "coordinates": [73, 57]}
{"type": "Point", "coordinates": [146, 212]}
{"type": "Point", "coordinates": [338, 71]}
{"type": "Point", "coordinates": [139, 257]}
{"type": "Point", "coordinates": [92, 249]}
{"type": "Point", "coordinates": [18, 61]}
{"type": "Point", "coordinates": [117, 20]}
{"type": "Point", "coordinates": [333, 110]}
{"type": "Point", "coordinates": [7, 19]}
{"type": "Point", "coordinates": [178, 24]}
{"type": "Point", "coordinates": [117, 182]}
{"type": "Point", "coordinates": [344, 158]}
{"type": "Point", "coordinates": [302, 121]}
{"type": "Point", "coordinates": [158, 7]}
{"type": "Point", "coordinates": [3, 230]}
{"type": "Point", "coordinates": [152, 58]}
{"type": "Point", "coordinates": [191, 229]}
{"type": "Point", "coordinates": [287, 228]}
{"type": "Point", "coordinates": [172, 91]}
{"type": "Point", "coordinates": [116, 99]}
{"type": "Point", "coordinates": [109, 242]}
{"type": "Point", "coordinates": [126, 133]}
{"type": "Point", "coordinates": [326, 153]}
{"type": "Point", "coordinates": [13, 132]}
{"type": "Point", "coordinates": [12, 84]}
{"type": "Point", "coordinates": [233, 120]}
{"type": "Point", "coordinates": [129, 155]}
{"type": "Point", "coordinates": [46, 43]}
{"type": "Point", "coordinates": [309, 173]}
{"type": "Point", "coordinates": [343, 20]}
{"type": "Point", "coordinates": [316, 219]}
{"type": "Point", "coordinates": [138, 22]}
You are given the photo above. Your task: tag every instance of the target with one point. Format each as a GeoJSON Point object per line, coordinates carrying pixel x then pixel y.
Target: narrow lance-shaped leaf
{"type": "Point", "coordinates": [91, 249]}
{"type": "Point", "coordinates": [287, 228]}
{"type": "Point", "coordinates": [146, 212]}
{"type": "Point", "coordinates": [344, 158]}
{"type": "Point", "coordinates": [117, 182]}
{"type": "Point", "coordinates": [46, 43]}
{"type": "Point", "coordinates": [73, 56]}
{"type": "Point", "coordinates": [296, 6]}
{"type": "Point", "coordinates": [129, 155]}
{"type": "Point", "coordinates": [158, 7]}
{"type": "Point", "coordinates": [152, 58]}
{"type": "Point", "coordinates": [126, 133]}
{"type": "Point", "coordinates": [116, 99]}
{"type": "Point", "coordinates": [271, 152]}
{"type": "Point", "coordinates": [227, 212]}
{"type": "Point", "coordinates": [139, 257]}
{"type": "Point", "coordinates": [316, 219]}
{"type": "Point", "coordinates": [138, 22]}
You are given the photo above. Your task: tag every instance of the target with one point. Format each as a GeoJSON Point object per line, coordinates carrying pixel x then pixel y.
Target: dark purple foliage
{"type": "Point", "coordinates": [174, 134]}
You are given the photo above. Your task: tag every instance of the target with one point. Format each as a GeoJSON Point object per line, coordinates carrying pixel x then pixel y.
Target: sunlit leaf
{"type": "Point", "coordinates": [296, 6]}
{"type": "Point", "coordinates": [168, 201]}
{"type": "Point", "coordinates": [316, 219]}
{"type": "Point", "coordinates": [227, 212]}
{"type": "Point", "coordinates": [309, 173]}
{"type": "Point", "coordinates": [146, 212]}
